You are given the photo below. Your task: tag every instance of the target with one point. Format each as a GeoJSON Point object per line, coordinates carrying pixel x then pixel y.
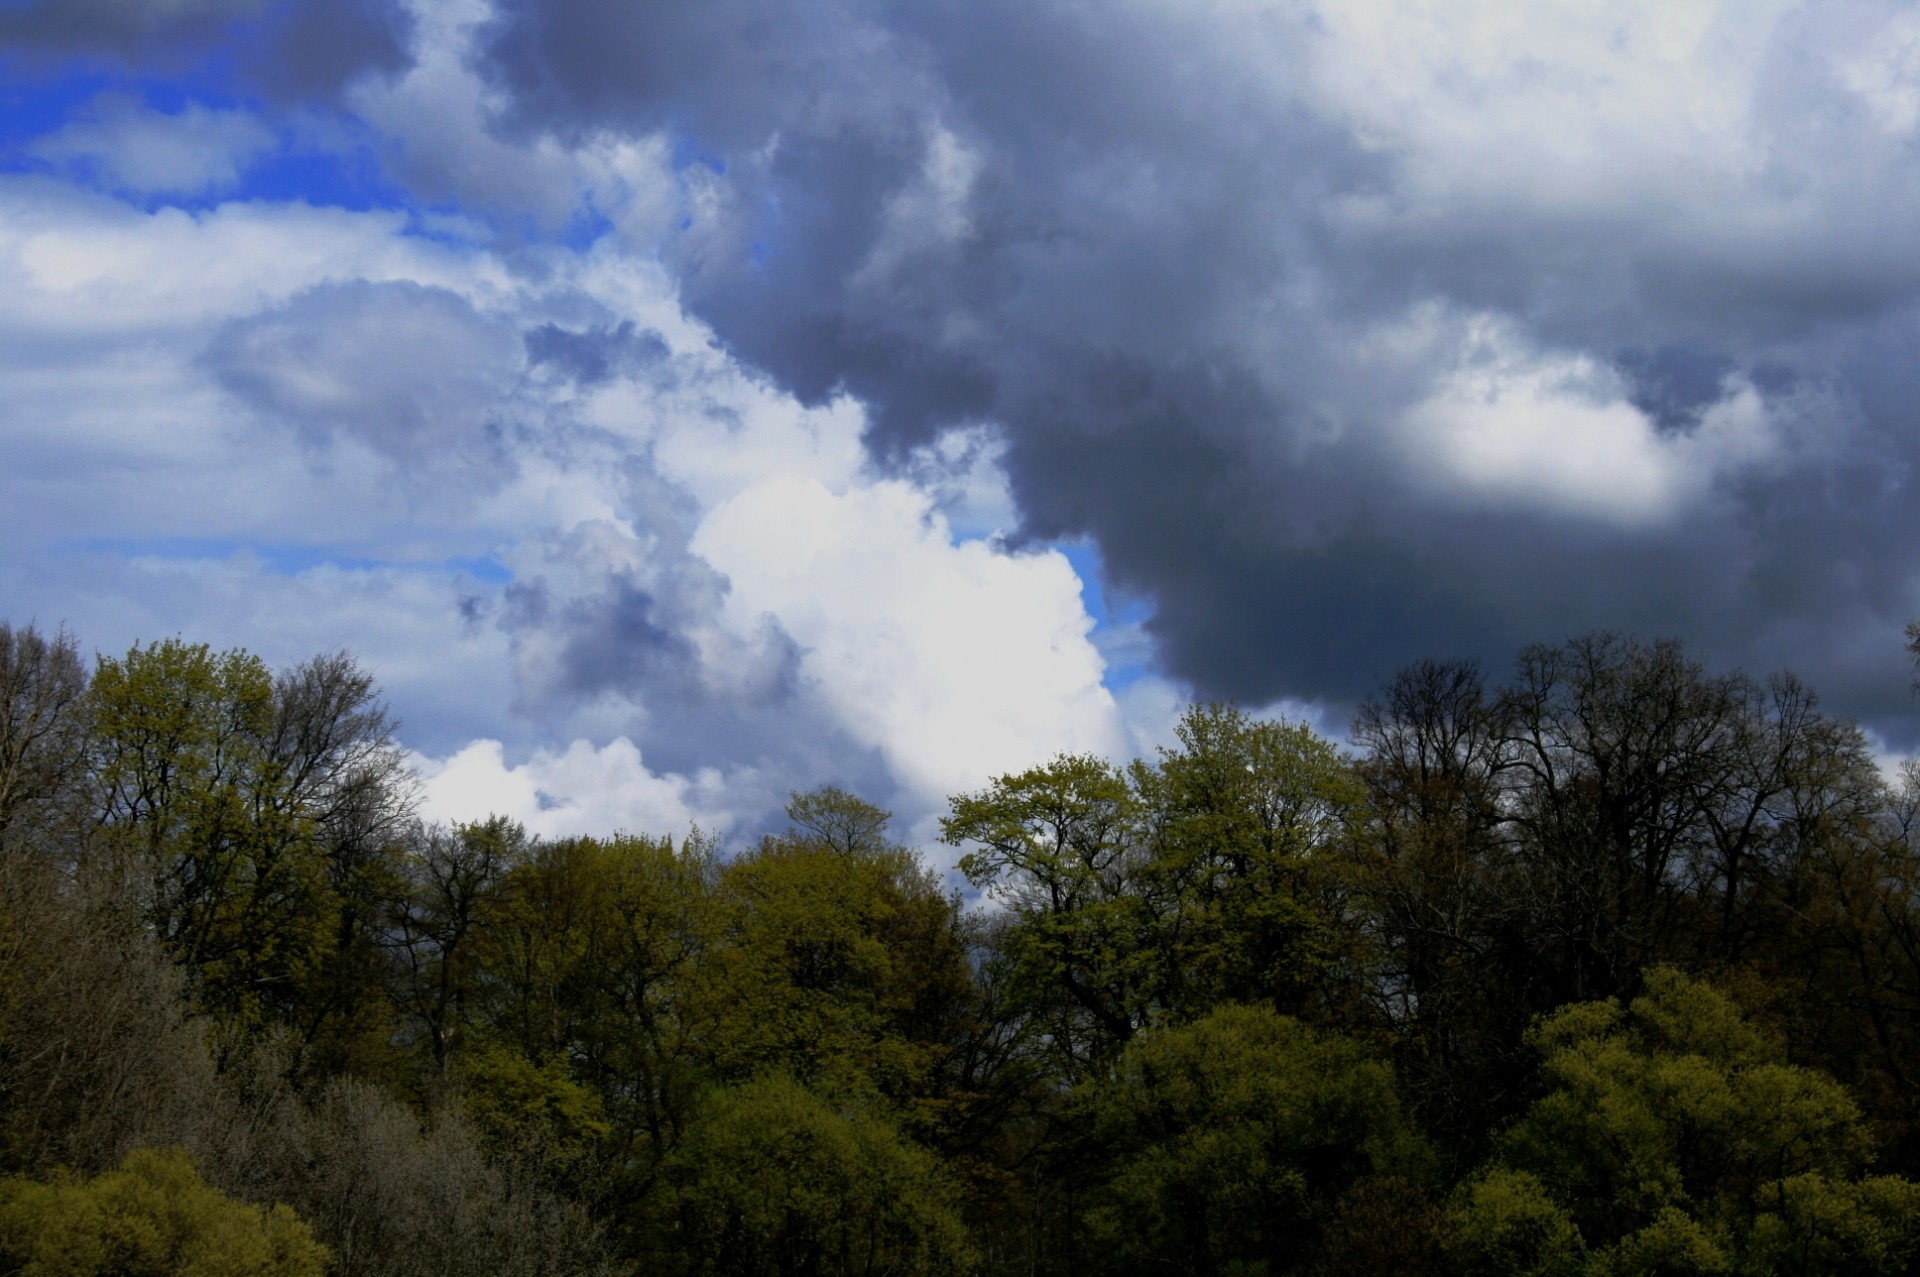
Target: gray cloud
{"type": "Point", "coordinates": [416, 372]}
{"type": "Point", "coordinates": [1141, 242]}
{"type": "Point", "coordinates": [619, 628]}
{"type": "Point", "coordinates": [594, 355]}
{"type": "Point", "coordinates": [289, 50]}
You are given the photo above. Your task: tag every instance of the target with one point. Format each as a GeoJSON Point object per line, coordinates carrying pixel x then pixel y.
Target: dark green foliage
{"type": "Point", "coordinates": [1229, 1140]}
{"type": "Point", "coordinates": [774, 1181]}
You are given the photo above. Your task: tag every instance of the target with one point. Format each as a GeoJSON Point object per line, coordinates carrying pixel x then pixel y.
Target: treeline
{"type": "Point", "coordinates": [1611, 968]}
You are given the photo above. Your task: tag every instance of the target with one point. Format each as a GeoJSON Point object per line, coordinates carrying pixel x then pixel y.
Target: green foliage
{"type": "Point", "coordinates": [466, 1049]}
{"type": "Point", "coordinates": [1229, 1140]}
{"type": "Point", "coordinates": [1148, 895]}
{"type": "Point", "coordinates": [1819, 1225]}
{"type": "Point", "coordinates": [833, 818]}
{"type": "Point", "coordinates": [257, 811]}
{"type": "Point", "coordinates": [595, 952]}
{"type": "Point", "coordinates": [844, 968]}
{"type": "Point", "coordinates": [1676, 1140]}
{"type": "Point", "coordinates": [1247, 821]}
{"type": "Point", "coordinates": [534, 1116]}
{"type": "Point", "coordinates": [773, 1181]}
{"type": "Point", "coordinates": [1504, 1224]}
{"type": "Point", "coordinates": [153, 1217]}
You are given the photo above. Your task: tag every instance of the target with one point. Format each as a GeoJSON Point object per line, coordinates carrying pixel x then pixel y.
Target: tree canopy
{"type": "Point", "coordinates": [1610, 967]}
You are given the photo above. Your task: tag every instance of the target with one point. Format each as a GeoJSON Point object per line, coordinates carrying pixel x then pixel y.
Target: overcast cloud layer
{"type": "Point", "coordinates": [679, 403]}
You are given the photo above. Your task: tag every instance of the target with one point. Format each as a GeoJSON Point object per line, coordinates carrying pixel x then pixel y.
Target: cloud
{"type": "Point", "coordinates": [1560, 433]}
{"type": "Point", "coordinates": [521, 485]}
{"type": "Point", "coordinates": [579, 790]}
{"type": "Point", "coordinates": [413, 371]}
{"type": "Point", "coordinates": [724, 394]}
{"type": "Point", "coordinates": [445, 678]}
{"type": "Point", "coordinates": [286, 50]}
{"type": "Point", "coordinates": [940, 656]}
{"type": "Point", "coordinates": [1170, 258]}
{"type": "Point", "coordinates": [195, 151]}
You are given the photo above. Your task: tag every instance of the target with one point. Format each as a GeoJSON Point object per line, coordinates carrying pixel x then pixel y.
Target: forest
{"type": "Point", "coordinates": [1605, 964]}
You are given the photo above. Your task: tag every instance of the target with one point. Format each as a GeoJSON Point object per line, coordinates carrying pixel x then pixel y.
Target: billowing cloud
{"type": "Point", "coordinates": [1350, 333]}
{"type": "Point", "coordinates": [936, 655]}
{"type": "Point", "coordinates": [524, 490]}
{"type": "Point", "coordinates": [686, 403]}
{"type": "Point", "coordinates": [579, 790]}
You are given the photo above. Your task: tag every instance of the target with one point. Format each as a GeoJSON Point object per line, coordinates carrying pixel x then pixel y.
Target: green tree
{"type": "Point", "coordinates": [774, 1181]}
{"type": "Point", "coordinates": [597, 952]}
{"type": "Point", "coordinates": [1503, 1223]}
{"type": "Point", "coordinates": [263, 815]}
{"type": "Point", "coordinates": [845, 961]}
{"type": "Point", "coordinates": [1249, 820]}
{"type": "Point", "coordinates": [1228, 1142]}
{"type": "Point", "coordinates": [332, 763]}
{"type": "Point", "coordinates": [1674, 1138]}
{"type": "Point", "coordinates": [153, 1217]}
{"type": "Point", "coordinates": [1060, 845]}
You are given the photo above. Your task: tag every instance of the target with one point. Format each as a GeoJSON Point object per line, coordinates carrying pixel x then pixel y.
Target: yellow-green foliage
{"type": "Point", "coordinates": [840, 966]}
{"type": "Point", "coordinates": [773, 1180]}
{"type": "Point", "coordinates": [240, 888]}
{"type": "Point", "coordinates": [533, 1115]}
{"type": "Point", "coordinates": [1676, 1140]}
{"type": "Point", "coordinates": [1503, 1224]}
{"type": "Point", "coordinates": [153, 1217]}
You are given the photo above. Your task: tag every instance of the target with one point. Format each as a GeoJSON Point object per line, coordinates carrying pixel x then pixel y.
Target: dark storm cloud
{"type": "Point", "coordinates": [1192, 296]}
{"type": "Point", "coordinates": [116, 28]}
{"type": "Point", "coordinates": [717, 70]}
{"type": "Point", "coordinates": [285, 50]}
{"type": "Point", "coordinates": [1673, 385]}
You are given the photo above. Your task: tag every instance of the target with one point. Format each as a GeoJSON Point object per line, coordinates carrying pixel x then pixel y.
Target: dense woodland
{"type": "Point", "coordinates": [1611, 966]}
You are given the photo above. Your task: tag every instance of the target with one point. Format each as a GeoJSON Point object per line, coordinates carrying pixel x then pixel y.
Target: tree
{"type": "Point", "coordinates": [153, 1217]}
{"type": "Point", "coordinates": [1059, 845]}
{"type": "Point", "coordinates": [774, 1181]}
{"type": "Point", "coordinates": [834, 818]}
{"type": "Point", "coordinates": [336, 769]}
{"type": "Point", "coordinates": [846, 957]}
{"type": "Point", "coordinates": [1616, 806]}
{"type": "Point", "coordinates": [398, 1195]}
{"type": "Point", "coordinates": [1247, 822]}
{"type": "Point", "coordinates": [43, 735]}
{"type": "Point", "coordinates": [1439, 889]}
{"type": "Point", "coordinates": [1672, 1136]}
{"type": "Point", "coordinates": [1621, 754]}
{"type": "Point", "coordinates": [261, 813]}
{"type": "Point", "coordinates": [98, 1049]}
{"type": "Point", "coordinates": [1229, 1141]}
{"type": "Point", "coordinates": [593, 952]}
{"type": "Point", "coordinates": [452, 876]}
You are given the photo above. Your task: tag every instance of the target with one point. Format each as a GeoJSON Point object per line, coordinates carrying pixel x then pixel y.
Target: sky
{"type": "Point", "coordinates": [678, 404]}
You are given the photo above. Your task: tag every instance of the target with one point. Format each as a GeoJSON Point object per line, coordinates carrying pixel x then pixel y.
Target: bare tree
{"type": "Point", "coordinates": [43, 734]}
